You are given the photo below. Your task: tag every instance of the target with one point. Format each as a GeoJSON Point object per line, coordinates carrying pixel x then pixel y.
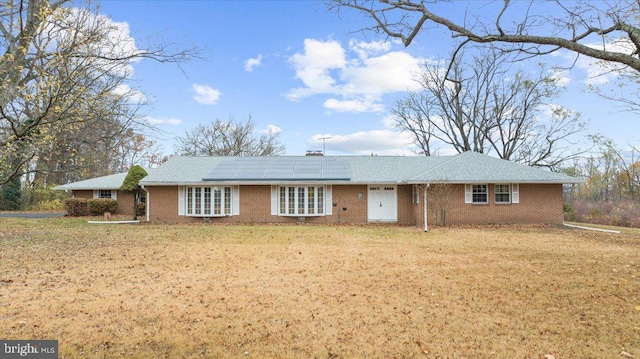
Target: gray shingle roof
{"type": "Point", "coordinates": [182, 170]}
{"type": "Point", "coordinates": [105, 182]}
{"type": "Point", "coordinates": [468, 167]}
{"type": "Point", "coordinates": [472, 167]}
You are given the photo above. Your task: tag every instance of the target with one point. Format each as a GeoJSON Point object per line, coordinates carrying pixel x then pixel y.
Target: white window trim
{"type": "Point", "coordinates": [496, 193]}
{"type": "Point", "coordinates": [114, 193]}
{"type": "Point", "coordinates": [234, 203]}
{"type": "Point", "coordinates": [514, 194]}
{"type": "Point", "coordinates": [327, 204]}
{"type": "Point", "coordinates": [468, 193]}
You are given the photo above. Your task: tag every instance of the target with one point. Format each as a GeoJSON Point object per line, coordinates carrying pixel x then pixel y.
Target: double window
{"type": "Point", "coordinates": [301, 200]}
{"type": "Point", "coordinates": [502, 193]}
{"type": "Point", "coordinates": [208, 201]}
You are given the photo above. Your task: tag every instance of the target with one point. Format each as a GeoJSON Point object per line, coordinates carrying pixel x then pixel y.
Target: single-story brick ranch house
{"type": "Point", "coordinates": [467, 188]}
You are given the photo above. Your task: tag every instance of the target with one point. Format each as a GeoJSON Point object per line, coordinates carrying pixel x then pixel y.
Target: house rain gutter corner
{"type": "Point", "coordinates": [146, 205]}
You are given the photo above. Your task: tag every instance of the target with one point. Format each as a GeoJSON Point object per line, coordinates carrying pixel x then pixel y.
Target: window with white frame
{"type": "Point", "coordinates": [502, 193]}
{"type": "Point", "coordinates": [301, 200]}
{"type": "Point", "coordinates": [479, 193]}
{"type": "Point", "coordinates": [105, 193]}
{"type": "Point", "coordinates": [208, 201]}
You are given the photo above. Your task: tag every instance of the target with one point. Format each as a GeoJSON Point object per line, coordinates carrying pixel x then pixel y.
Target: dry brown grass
{"type": "Point", "coordinates": [319, 291]}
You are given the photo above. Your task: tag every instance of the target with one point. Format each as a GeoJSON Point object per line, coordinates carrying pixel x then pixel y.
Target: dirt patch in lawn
{"type": "Point", "coordinates": [319, 291]}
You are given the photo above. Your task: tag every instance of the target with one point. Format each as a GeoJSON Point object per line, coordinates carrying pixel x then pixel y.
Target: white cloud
{"type": "Point", "coordinates": [117, 41]}
{"type": "Point", "coordinates": [158, 121]}
{"type": "Point", "coordinates": [601, 72]}
{"type": "Point", "coordinates": [250, 64]}
{"type": "Point", "coordinates": [366, 49]}
{"type": "Point", "coordinates": [562, 76]}
{"type": "Point", "coordinates": [353, 105]}
{"type": "Point", "coordinates": [120, 38]}
{"type": "Point", "coordinates": [273, 129]}
{"type": "Point", "coordinates": [133, 95]}
{"type": "Point", "coordinates": [360, 80]}
{"type": "Point", "coordinates": [379, 142]}
{"type": "Point", "coordinates": [314, 65]}
{"type": "Point", "coordinates": [391, 72]}
{"type": "Point", "coordinates": [206, 95]}
{"type": "Point", "coordinates": [389, 121]}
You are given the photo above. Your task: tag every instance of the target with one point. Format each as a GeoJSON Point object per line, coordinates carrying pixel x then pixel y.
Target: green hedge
{"type": "Point", "coordinates": [99, 206]}
{"type": "Point", "coordinates": [76, 207]}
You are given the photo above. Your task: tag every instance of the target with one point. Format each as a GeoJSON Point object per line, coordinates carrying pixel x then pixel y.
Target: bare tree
{"type": "Point", "coordinates": [62, 69]}
{"type": "Point", "coordinates": [623, 166]}
{"type": "Point", "coordinates": [532, 29]}
{"type": "Point", "coordinates": [440, 197]}
{"type": "Point", "coordinates": [231, 138]}
{"type": "Point", "coordinates": [485, 107]}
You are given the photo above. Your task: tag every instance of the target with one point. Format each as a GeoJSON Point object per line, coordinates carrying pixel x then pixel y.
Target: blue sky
{"type": "Point", "coordinates": [297, 68]}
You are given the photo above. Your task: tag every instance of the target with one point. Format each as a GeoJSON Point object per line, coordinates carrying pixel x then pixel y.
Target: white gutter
{"type": "Point", "coordinates": [147, 201]}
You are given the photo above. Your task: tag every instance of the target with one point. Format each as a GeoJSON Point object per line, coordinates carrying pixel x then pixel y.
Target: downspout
{"type": "Point", "coordinates": [424, 200]}
{"type": "Point", "coordinates": [147, 209]}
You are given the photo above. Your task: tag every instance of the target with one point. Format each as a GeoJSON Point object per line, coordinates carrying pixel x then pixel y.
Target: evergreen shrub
{"type": "Point", "coordinates": [99, 206]}
{"type": "Point", "coordinates": [76, 207]}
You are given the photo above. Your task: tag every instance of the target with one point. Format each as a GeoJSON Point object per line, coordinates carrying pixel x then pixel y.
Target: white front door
{"type": "Point", "coordinates": [382, 203]}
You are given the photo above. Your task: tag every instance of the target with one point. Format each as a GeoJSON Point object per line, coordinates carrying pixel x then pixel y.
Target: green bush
{"type": "Point", "coordinates": [43, 199]}
{"type": "Point", "coordinates": [569, 212]}
{"type": "Point", "coordinates": [130, 183]}
{"type": "Point", "coordinates": [11, 195]}
{"type": "Point", "coordinates": [99, 206]}
{"type": "Point", "coordinates": [76, 206]}
{"type": "Point", "coordinates": [52, 205]}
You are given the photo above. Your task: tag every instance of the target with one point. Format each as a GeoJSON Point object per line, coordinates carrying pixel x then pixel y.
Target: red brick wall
{"type": "Point", "coordinates": [125, 200]}
{"type": "Point", "coordinates": [405, 206]}
{"type": "Point", "coordinates": [255, 206]}
{"type": "Point", "coordinates": [350, 204]}
{"type": "Point", "coordinates": [83, 194]}
{"type": "Point", "coordinates": [538, 204]}
{"type": "Point", "coordinates": [162, 202]}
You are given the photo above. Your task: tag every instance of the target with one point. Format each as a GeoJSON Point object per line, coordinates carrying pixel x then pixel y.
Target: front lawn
{"type": "Point", "coordinates": [303, 291]}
